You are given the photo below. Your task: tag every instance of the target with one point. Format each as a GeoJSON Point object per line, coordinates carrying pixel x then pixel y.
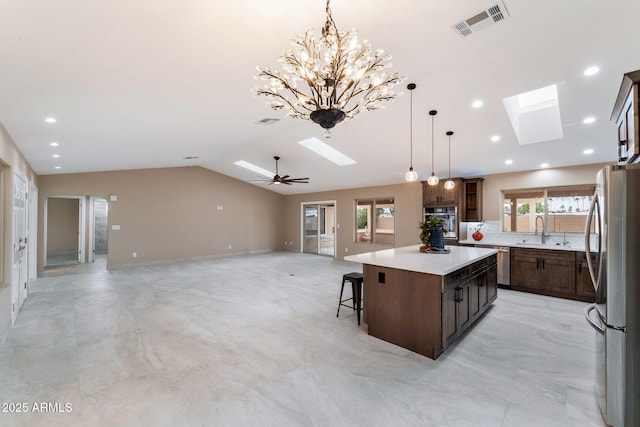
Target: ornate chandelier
{"type": "Point", "coordinates": [328, 80]}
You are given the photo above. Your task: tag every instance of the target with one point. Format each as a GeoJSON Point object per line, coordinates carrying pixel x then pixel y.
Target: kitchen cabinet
{"type": "Point", "coordinates": [625, 115]}
{"type": "Point", "coordinates": [455, 305]}
{"type": "Point", "coordinates": [584, 285]}
{"type": "Point", "coordinates": [472, 200]}
{"type": "Point", "coordinates": [437, 195]}
{"type": "Point", "coordinates": [468, 294]}
{"type": "Point", "coordinates": [543, 271]}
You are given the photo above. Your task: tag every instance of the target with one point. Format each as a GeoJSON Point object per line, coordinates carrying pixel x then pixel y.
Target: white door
{"type": "Point", "coordinates": [19, 281]}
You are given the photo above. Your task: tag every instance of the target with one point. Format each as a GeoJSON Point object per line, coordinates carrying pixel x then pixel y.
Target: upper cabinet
{"type": "Point", "coordinates": [625, 114]}
{"type": "Point", "coordinates": [472, 201]}
{"type": "Point", "coordinates": [437, 195]}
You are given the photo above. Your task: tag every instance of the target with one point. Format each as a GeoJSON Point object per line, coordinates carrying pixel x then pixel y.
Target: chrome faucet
{"type": "Point", "coordinates": [535, 232]}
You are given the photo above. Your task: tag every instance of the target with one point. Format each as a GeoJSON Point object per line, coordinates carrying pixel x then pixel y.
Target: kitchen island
{"type": "Point", "coordinates": [425, 301]}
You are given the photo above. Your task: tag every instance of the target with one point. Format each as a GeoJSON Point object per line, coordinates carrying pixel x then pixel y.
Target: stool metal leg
{"type": "Point", "coordinates": [358, 296]}
{"type": "Point", "coordinates": [340, 300]}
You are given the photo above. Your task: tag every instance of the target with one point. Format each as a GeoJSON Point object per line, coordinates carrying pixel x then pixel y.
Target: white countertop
{"type": "Point", "coordinates": [530, 245]}
{"type": "Point", "coordinates": [410, 258]}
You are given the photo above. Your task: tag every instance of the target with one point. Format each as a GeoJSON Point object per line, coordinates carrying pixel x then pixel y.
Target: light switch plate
{"type": "Point", "coordinates": [115, 227]}
{"type": "Point", "coordinates": [113, 198]}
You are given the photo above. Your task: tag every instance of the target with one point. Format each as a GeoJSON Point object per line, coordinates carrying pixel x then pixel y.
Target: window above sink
{"type": "Point", "coordinates": [546, 210]}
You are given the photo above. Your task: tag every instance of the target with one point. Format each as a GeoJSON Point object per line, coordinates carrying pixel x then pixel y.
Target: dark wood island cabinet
{"type": "Point", "coordinates": [424, 302]}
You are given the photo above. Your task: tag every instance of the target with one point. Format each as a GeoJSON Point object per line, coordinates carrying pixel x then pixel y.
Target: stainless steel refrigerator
{"type": "Point", "coordinates": [613, 234]}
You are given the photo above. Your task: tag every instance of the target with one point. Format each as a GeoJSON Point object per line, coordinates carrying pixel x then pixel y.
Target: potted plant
{"type": "Point", "coordinates": [432, 231]}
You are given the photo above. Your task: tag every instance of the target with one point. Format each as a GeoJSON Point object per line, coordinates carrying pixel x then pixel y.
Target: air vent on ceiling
{"type": "Point", "coordinates": [493, 14]}
{"type": "Point", "coordinates": [268, 121]}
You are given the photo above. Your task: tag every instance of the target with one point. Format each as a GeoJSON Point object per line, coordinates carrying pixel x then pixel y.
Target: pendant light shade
{"type": "Point", "coordinates": [449, 185]}
{"type": "Point", "coordinates": [411, 175]}
{"type": "Point", "coordinates": [433, 179]}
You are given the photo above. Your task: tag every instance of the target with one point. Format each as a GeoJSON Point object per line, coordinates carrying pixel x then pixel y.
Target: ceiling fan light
{"type": "Point", "coordinates": [411, 175]}
{"type": "Point", "coordinates": [449, 185]}
{"type": "Point", "coordinates": [433, 179]}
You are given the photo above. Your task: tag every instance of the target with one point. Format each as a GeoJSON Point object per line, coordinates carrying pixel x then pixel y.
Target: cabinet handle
{"type": "Point", "coordinates": [459, 295]}
{"type": "Point", "coordinates": [542, 264]}
{"type": "Point", "coordinates": [537, 263]}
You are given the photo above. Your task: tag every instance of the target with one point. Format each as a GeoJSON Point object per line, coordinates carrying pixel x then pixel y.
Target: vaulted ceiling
{"type": "Point", "coordinates": [146, 83]}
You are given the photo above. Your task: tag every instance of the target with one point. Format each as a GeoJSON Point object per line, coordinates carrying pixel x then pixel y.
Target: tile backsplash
{"type": "Point", "coordinates": [492, 235]}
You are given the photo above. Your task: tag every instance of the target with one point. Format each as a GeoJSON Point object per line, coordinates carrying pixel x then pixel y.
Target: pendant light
{"type": "Point", "coordinates": [433, 179]}
{"type": "Point", "coordinates": [449, 185]}
{"type": "Point", "coordinates": [411, 175]}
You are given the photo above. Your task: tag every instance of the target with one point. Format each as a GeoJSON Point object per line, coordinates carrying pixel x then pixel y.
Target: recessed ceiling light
{"type": "Point", "coordinates": [54, 144]}
{"type": "Point", "coordinates": [495, 138]}
{"type": "Point", "coordinates": [254, 168]}
{"type": "Point", "coordinates": [544, 165]}
{"type": "Point", "coordinates": [508, 162]}
{"type": "Point", "coordinates": [50, 120]}
{"type": "Point", "coordinates": [590, 71]}
{"type": "Point", "coordinates": [588, 151]}
{"type": "Point", "coordinates": [477, 103]}
{"type": "Point", "coordinates": [589, 120]}
{"type": "Point", "coordinates": [327, 151]}
{"type": "Point", "coordinates": [55, 156]}
{"type": "Point", "coordinates": [57, 167]}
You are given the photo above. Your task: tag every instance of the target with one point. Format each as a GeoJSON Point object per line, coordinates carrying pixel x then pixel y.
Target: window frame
{"type": "Point", "coordinates": [372, 204]}
{"type": "Point", "coordinates": [546, 194]}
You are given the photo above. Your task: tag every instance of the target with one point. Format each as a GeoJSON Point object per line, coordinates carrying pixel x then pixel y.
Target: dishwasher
{"type": "Point", "coordinates": [504, 264]}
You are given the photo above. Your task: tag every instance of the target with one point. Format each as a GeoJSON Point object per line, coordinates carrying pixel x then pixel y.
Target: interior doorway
{"type": "Point", "coordinates": [64, 231]}
{"type": "Point", "coordinates": [75, 233]}
{"type": "Point", "coordinates": [98, 229]}
{"type": "Point", "coordinates": [319, 228]}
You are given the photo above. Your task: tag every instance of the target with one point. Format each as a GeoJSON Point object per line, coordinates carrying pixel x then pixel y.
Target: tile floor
{"type": "Point", "coordinates": [254, 341]}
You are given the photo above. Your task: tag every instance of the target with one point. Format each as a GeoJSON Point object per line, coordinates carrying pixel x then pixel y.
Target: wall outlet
{"type": "Point", "coordinates": [285, 243]}
{"type": "Point", "coordinates": [290, 243]}
{"type": "Point", "coordinates": [134, 254]}
{"type": "Point", "coordinates": [229, 246]}
{"type": "Point", "coordinates": [346, 249]}
{"type": "Point", "coordinates": [115, 227]}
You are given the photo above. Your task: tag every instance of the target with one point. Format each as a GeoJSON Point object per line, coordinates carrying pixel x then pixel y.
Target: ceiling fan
{"type": "Point", "coordinates": [277, 179]}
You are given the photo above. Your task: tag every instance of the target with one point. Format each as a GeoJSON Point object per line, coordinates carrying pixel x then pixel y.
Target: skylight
{"type": "Point", "coordinates": [326, 151]}
{"type": "Point", "coordinates": [254, 168]}
{"type": "Point", "coordinates": [535, 115]}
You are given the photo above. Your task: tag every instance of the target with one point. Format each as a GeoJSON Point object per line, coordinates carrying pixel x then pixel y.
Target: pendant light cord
{"type": "Point", "coordinates": [432, 149]}
{"type": "Point", "coordinates": [411, 127]}
{"type": "Point", "coordinates": [449, 156]}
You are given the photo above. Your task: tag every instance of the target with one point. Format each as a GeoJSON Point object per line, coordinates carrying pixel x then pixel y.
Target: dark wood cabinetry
{"type": "Point", "coordinates": [584, 285]}
{"type": "Point", "coordinates": [424, 312]}
{"type": "Point", "coordinates": [543, 271]}
{"type": "Point", "coordinates": [437, 195]}
{"type": "Point", "coordinates": [625, 115]}
{"type": "Point", "coordinates": [472, 200]}
{"type": "Point", "coordinates": [468, 294]}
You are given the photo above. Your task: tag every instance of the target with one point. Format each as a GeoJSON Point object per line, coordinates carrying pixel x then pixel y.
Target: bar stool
{"type": "Point", "coordinates": [356, 280]}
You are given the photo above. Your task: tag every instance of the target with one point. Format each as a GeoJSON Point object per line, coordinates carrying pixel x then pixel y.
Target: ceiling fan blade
{"type": "Point", "coordinates": [285, 177]}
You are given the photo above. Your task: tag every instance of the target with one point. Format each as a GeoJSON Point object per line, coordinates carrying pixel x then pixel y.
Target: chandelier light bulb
{"type": "Point", "coordinates": [411, 175]}
{"type": "Point", "coordinates": [333, 93]}
{"type": "Point", "coordinates": [449, 185]}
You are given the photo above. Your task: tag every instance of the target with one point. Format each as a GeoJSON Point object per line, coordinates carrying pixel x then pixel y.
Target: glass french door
{"type": "Point", "coordinates": [319, 229]}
